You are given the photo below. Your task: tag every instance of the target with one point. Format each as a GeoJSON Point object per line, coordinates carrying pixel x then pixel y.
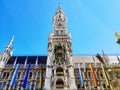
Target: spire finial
{"type": "Point", "coordinates": [10, 43]}
{"type": "Point", "coordinates": [12, 38]}
{"type": "Point", "coordinates": [59, 9]}
{"type": "Point", "coordinates": [59, 4]}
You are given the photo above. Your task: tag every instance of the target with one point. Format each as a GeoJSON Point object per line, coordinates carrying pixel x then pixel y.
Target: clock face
{"type": "Point", "coordinates": [59, 25]}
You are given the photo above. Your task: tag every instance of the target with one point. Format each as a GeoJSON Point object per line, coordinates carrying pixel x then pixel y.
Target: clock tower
{"type": "Point", "coordinates": [59, 68]}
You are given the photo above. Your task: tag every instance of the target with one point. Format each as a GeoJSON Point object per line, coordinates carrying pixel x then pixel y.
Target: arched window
{"type": "Point", "coordinates": [59, 49]}
{"type": "Point", "coordinates": [59, 83]}
{"type": "Point", "coordinates": [59, 71]}
{"type": "Point", "coordinates": [59, 52]}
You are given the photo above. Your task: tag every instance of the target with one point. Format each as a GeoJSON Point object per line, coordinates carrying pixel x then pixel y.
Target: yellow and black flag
{"type": "Point", "coordinates": [118, 59]}
{"type": "Point", "coordinates": [100, 58]}
{"type": "Point", "coordinates": [118, 37]}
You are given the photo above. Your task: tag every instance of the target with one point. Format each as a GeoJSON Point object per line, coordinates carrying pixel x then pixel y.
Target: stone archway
{"type": "Point", "coordinates": [59, 83]}
{"type": "Point", "coordinates": [59, 71]}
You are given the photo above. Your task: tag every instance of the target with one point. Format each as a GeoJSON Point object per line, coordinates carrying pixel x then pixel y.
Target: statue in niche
{"type": "Point", "coordinates": [59, 51]}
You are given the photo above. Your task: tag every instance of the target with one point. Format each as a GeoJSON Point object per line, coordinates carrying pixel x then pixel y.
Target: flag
{"type": "Point", "coordinates": [105, 58]}
{"type": "Point", "coordinates": [106, 79]}
{"type": "Point", "coordinates": [100, 58]}
{"type": "Point", "coordinates": [118, 37]}
{"type": "Point", "coordinates": [81, 78]}
{"type": "Point", "coordinates": [40, 81]}
{"type": "Point", "coordinates": [14, 75]}
{"type": "Point", "coordinates": [118, 41]}
{"type": "Point", "coordinates": [26, 77]}
{"type": "Point", "coordinates": [93, 75]}
{"type": "Point", "coordinates": [118, 59]}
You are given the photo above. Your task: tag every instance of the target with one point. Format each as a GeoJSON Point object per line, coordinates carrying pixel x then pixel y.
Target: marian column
{"type": "Point", "coordinates": [59, 68]}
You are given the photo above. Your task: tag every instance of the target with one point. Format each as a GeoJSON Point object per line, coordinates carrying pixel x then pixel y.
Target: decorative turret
{"type": "Point", "coordinates": [5, 56]}
{"type": "Point", "coordinates": [59, 19]}
{"type": "Point", "coordinates": [59, 22]}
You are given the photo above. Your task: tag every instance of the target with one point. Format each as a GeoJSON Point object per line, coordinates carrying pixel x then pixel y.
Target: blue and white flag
{"type": "Point", "coordinates": [81, 78]}
{"type": "Point", "coordinates": [14, 75]}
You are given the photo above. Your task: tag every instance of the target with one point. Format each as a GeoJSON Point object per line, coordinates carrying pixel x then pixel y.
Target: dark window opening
{"type": "Point", "coordinates": [59, 71]}
{"type": "Point", "coordinates": [59, 83]}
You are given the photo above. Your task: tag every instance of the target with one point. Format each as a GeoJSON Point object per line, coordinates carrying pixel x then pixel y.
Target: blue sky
{"type": "Point", "coordinates": [92, 24]}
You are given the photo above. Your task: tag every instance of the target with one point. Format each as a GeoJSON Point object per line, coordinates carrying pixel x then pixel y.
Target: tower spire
{"type": "Point", "coordinates": [59, 21]}
{"type": "Point", "coordinates": [11, 42]}
{"type": "Point", "coordinates": [6, 54]}
{"type": "Point", "coordinates": [8, 50]}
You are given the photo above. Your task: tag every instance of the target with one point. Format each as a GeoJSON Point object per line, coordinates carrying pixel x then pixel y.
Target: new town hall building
{"type": "Point", "coordinates": [59, 70]}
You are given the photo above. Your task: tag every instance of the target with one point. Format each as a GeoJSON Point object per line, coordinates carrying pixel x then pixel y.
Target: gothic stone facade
{"type": "Point", "coordinates": [59, 70]}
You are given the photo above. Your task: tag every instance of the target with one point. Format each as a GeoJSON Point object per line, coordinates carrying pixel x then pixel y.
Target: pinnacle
{"type": "Point", "coordinates": [10, 43]}
{"type": "Point", "coordinates": [59, 9]}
